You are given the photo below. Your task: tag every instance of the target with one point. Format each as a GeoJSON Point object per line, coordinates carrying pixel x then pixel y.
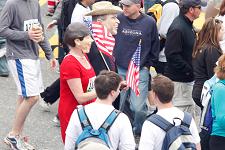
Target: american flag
{"type": "Point", "coordinates": [103, 38]}
{"type": "Point", "coordinates": [132, 76]}
{"type": "Point", "coordinates": [88, 22]}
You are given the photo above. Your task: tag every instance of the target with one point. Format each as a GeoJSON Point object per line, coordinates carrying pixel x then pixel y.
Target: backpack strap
{"type": "Point", "coordinates": [84, 121]}
{"type": "Point", "coordinates": [110, 120]}
{"type": "Point", "coordinates": [187, 119]}
{"type": "Point", "coordinates": [160, 122]}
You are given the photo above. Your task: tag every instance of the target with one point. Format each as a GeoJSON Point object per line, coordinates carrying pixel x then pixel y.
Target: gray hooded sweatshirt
{"type": "Point", "coordinates": [16, 19]}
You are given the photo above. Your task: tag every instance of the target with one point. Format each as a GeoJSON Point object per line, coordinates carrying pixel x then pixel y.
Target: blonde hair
{"type": "Point", "coordinates": [220, 68]}
{"type": "Point", "coordinates": [208, 37]}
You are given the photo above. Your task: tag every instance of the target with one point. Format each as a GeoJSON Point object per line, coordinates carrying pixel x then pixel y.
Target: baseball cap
{"type": "Point", "coordinates": [192, 3]}
{"type": "Point", "coordinates": [130, 2]}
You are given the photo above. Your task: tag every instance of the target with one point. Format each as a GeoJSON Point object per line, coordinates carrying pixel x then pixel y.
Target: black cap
{"type": "Point", "coordinates": [192, 3]}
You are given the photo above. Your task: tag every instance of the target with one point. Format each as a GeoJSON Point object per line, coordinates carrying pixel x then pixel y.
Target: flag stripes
{"type": "Point", "coordinates": [133, 75]}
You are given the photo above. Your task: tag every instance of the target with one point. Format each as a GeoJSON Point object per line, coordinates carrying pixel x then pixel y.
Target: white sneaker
{"type": "Point", "coordinates": [45, 106]}
{"type": "Point", "coordinates": [14, 142]}
{"type": "Point", "coordinates": [26, 144]}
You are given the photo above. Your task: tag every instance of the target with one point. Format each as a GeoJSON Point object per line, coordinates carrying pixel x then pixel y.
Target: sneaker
{"type": "Point", "coordinates": [56, 121]}
{"type": "Point", "coordinates": [26, 144]}
{"type": "Point", "coordinates": [45, 106]}
{"type": "Point", "coordinates": [14, 142]}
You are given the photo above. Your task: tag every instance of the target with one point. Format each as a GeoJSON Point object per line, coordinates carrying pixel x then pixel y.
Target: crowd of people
{"type": "Point", "coordinates": [97, 41]}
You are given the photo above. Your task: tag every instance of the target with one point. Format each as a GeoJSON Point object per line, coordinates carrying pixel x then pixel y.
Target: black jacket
{"type": "Point", "coordinates": [178, 50]}
{"type": "Point", "coordinates": [203, 65]}
{"type": "Point", "coordinates": [96, 59]}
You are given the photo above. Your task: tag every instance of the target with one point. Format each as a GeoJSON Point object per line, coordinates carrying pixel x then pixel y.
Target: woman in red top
{"type": "Point", "coordinates": [76, 74]}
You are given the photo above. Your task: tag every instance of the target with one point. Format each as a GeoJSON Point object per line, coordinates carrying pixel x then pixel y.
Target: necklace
{"type": "Point", "coordinates": [82, 60]}
{"type": "Point", "coordinates": [77, 56]}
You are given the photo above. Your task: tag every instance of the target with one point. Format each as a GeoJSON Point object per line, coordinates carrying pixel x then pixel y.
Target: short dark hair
{"type": "Point", "coordinates": [105, 82]}
{"type": "Point", "coordinates": [74, 31]}
{"type": "Point", "coordinates": [163, 88]}
{"type": "Point", "coordinates": [184, 9]}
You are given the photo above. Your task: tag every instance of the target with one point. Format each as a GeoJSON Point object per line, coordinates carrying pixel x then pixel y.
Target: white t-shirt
{"type": "Point", "coordinates": [120, 133]}
{"type": "Point", "coordinates": [79, 12]}
{"type": "Point", "coordinates": [152, 136]}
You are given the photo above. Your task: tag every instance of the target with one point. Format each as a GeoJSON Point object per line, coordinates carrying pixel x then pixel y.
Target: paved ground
{"type": "Point", "coordinates": [39, 125]}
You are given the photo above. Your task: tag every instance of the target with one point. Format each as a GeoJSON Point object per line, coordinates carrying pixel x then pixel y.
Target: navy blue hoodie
{"type": "Point", "coordinates": [130, 31]}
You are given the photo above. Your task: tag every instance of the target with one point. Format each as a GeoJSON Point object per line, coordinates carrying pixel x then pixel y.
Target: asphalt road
{"type": "Point", "coordinates": [39, 127]}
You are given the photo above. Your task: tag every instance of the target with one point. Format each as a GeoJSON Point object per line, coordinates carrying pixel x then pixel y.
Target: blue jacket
{"type": "Point", "coordinates": [130, 31]}
{"type": "Point", "coordinates": [218, 108]}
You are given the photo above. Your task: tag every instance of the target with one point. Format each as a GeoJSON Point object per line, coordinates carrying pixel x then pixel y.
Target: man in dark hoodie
{"type": "Point", "coordinates": [21, 26]}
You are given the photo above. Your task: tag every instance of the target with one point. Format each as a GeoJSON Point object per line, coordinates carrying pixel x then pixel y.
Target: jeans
{"type": "Point", "coordinates": [137, 103]}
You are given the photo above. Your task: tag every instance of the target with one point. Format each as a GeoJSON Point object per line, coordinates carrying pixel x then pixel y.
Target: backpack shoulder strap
{"type": "Point", "coordinates": [160, 122]}
{"type": "Point", "coordinates": [187, 119]}
{"type": "Point", "coordinates": [84, 121]}
{"type": "Point", "coordinates": [110, 120]}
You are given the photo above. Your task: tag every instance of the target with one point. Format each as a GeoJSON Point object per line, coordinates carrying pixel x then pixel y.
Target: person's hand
{"type": "Point", "coordinates": [52, 24]}
{"type": "Point", "coordinates": [123, 85]}
{"type": "Point", "coordinates": [53, 63]}
{"type": "Point", "coordinates": [35, 35]}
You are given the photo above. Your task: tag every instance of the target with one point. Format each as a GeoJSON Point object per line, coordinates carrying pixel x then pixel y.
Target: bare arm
{"type": "Point", "coordinates": [198, 146]}
{"type": "Point", "coordinates": [76, 88]}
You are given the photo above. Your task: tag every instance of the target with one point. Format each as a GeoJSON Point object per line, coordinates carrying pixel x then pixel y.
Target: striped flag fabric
{"type": "Point", "coordinates": [132, 76]}
{"type": "Point", "coordinates": [103, 38]}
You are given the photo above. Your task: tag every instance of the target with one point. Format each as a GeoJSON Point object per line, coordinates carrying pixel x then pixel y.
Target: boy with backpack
{"type": "Point", "coordinates": [99, 125]}
{"type": "Point", "coordinates": [168, 123]}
